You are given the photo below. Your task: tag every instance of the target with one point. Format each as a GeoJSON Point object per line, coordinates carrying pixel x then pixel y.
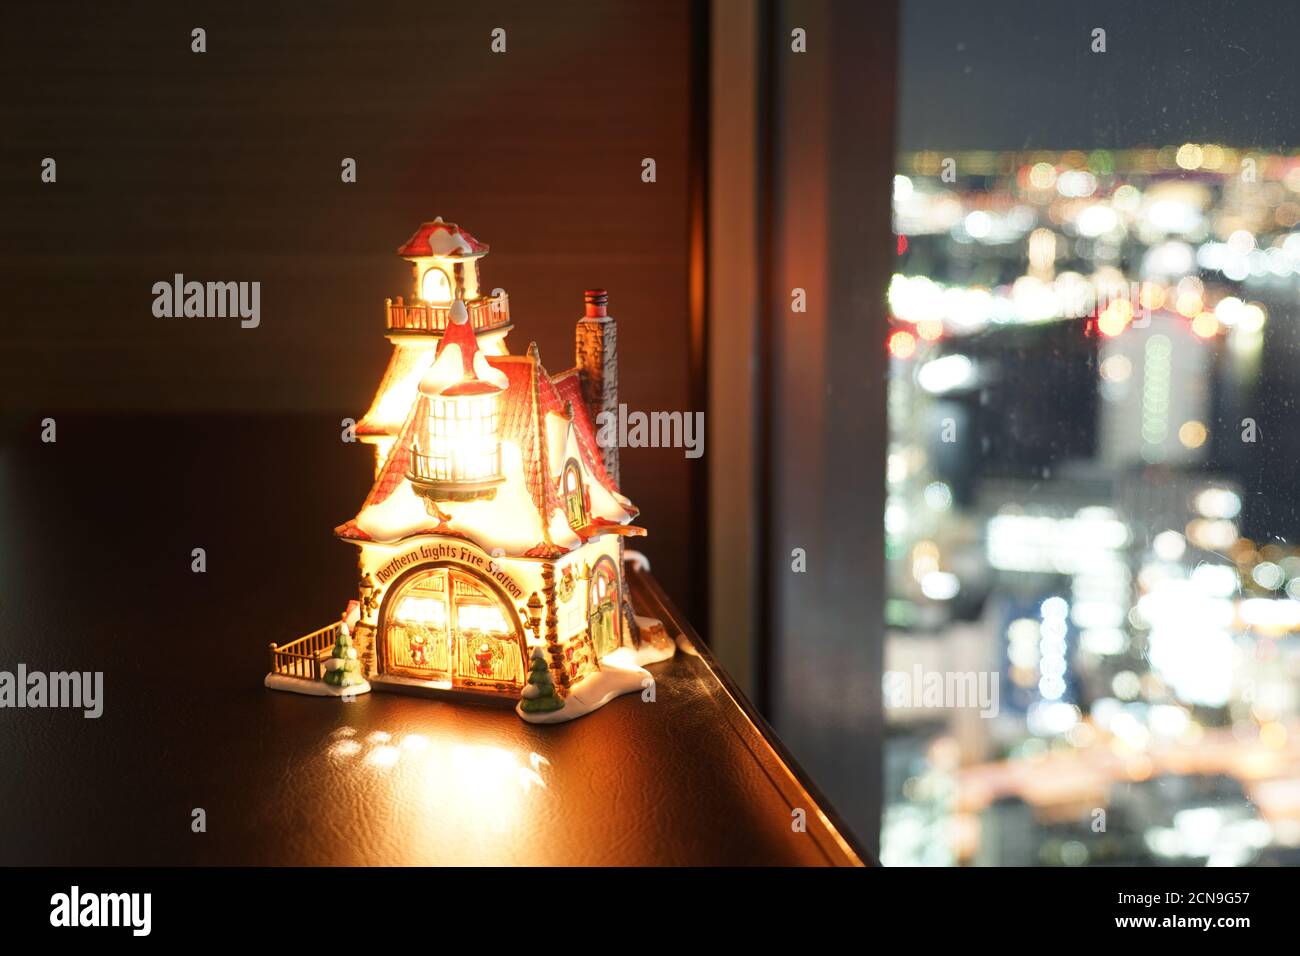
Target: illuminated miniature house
{"type": "Point", "coordinates": [491, 543]}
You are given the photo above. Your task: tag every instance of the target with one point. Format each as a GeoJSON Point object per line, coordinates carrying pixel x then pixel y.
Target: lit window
{"type": "Point", "coordinates": [575, 508]}
{"type": "Point", "coordinates": [435, 287]}
{"type": "Point", "coordinates": [460, 442]}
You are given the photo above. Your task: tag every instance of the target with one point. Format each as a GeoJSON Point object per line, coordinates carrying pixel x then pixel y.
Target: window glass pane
{"type": "Point", "coordinates": [1092, 515]}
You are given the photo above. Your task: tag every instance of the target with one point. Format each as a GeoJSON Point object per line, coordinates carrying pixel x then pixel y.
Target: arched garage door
{"type": "Point", "coordinates": [451, 626]}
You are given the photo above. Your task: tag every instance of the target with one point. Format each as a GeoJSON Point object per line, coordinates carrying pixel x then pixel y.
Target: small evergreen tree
{"type": "Point", "coordinates": [342, 669]}
{"type": "Point", "coordinates": [539, 694]}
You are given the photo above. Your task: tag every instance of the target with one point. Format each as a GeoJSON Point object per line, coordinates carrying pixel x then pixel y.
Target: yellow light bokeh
{"type": "Point", "coordinates": [1189, 304]}
{"type": "Point", "coordinates": [1115, 318]}
{"type": "Point", "coordinates": [1189, 156]}
{"type": "Point", "coordinates": [1206, 325]}
{"type": "Point", "coordinates": [1192, 434]}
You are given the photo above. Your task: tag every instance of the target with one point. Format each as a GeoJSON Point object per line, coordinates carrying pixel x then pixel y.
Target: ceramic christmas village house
{"type": "Point", "coordinates": [491, 543]}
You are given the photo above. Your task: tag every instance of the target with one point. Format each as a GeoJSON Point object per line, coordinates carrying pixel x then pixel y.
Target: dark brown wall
{"type": "Point", "coordinates": [225, 166]}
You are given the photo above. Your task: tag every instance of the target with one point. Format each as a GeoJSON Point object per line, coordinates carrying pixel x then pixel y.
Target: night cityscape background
{"type": "Point", "coordinates": [1094, 460]}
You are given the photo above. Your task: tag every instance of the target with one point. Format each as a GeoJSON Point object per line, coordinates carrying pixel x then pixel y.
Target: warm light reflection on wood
{"type": "Point", "coordinates": [475, 789]}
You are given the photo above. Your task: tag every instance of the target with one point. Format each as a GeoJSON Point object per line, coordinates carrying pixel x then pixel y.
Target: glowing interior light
{"type": "Point", "coordinates": [460, 443]}
{"type": "Point", "coordinates": [422, 610]}
{"type": "Point", "coordinates": [435, 287]}
{"type": "Point", "coordinates": [482, 617]}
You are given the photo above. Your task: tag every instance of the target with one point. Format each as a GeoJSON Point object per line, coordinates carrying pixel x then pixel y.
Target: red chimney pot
{"type": "Point", "coordinates": [596, 300]}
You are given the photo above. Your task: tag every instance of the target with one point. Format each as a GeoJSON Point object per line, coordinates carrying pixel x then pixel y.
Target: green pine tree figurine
{"type": "Point", "coordinates": [342, 669]}
{"type": "Point", "coordinates": [539, 694]}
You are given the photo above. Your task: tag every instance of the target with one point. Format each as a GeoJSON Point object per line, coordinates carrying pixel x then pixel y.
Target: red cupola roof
{"type": "Point", "coordinates": [438, 238]}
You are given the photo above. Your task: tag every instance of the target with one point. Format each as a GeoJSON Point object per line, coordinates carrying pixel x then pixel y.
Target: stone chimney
{"type": "Point", "coordinates": [597, 361]}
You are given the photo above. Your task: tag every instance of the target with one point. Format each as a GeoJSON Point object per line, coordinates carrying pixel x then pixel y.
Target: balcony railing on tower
{"type": "Point", "coordinates": [489, 312]}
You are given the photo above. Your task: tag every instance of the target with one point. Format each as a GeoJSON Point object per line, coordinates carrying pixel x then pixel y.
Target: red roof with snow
{"type": "Point", "coordinates": [568, 386]}
{"type": "Point", "coordinates": [448, 238]}
{"type": "Point", "coordinates": [519, 423]}
{"type": "Point", "coordinates": [462, 336]}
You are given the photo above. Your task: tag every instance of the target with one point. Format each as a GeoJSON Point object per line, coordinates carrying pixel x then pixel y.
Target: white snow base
{"type": "Point", "coordinates": [656, 645]}
{"type": "Point", "coordinates": [620, 673]}
{"type": "Point", "coordinates": [638, 560]}
{"type": "Point", "coordinates": [313, 688]}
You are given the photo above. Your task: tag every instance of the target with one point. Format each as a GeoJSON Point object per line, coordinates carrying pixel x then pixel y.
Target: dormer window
{"type": "Point", "coordinates": [574, 504]}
